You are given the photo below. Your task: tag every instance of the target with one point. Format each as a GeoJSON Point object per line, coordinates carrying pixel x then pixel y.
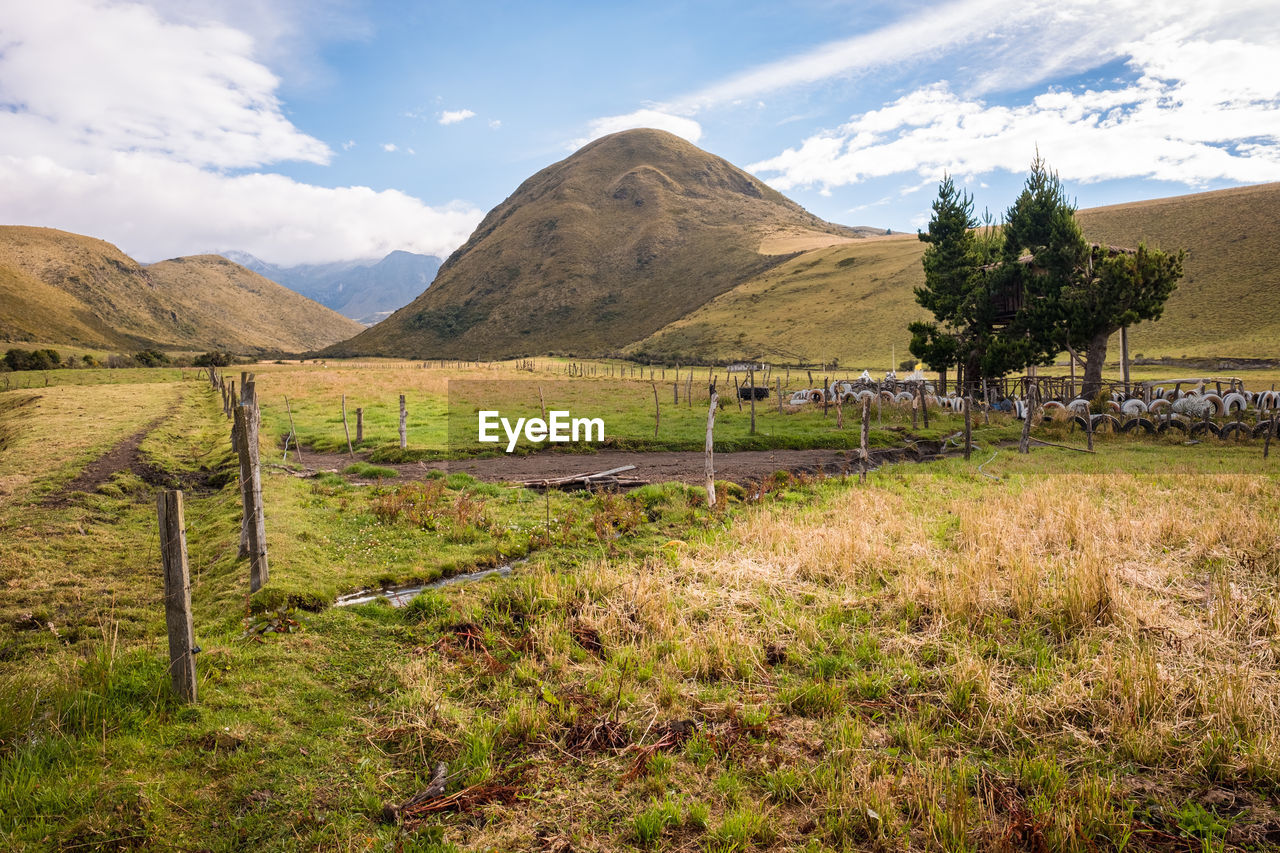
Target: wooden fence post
{"type": "Point", "coordinates": [1024, 446]}
{"type": "Point", "coordinates": [177, 595]}
{"type": "Point", "coordinates": [864, 453]}
{"type": "Point", "coordinates": [1270, 431]}
{"type": "Point", "coordinates": [297, 444]}
{"type": "Point", "coordinates": [346, 428]}
{"type": "Point", "coordinates": [657, 412]}
{"type": "Point", "coordinates": [359, 424]}
{"type": "Point", "coordinates": [751, 377]}
{"type": "Point", "coordinates": [779, 381]}
{"type": "Point", "coordinates": [710, 469]}
{"type": "Point", "coordinates": [404, 429]}
{"type": "Point", "coordinates": [968, 426]}
{"type": "Point", "coordinates": [246, 432]}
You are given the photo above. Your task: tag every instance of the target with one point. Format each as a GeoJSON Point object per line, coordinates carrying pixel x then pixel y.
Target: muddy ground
{"type": "Point", "coordinates": [682, 466]}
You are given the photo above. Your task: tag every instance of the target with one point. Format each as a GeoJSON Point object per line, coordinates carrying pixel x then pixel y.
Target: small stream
{"type": "Point", "coordinates": [399, 596]}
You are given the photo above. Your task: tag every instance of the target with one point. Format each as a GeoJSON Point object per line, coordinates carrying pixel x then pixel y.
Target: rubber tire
{"type": "Point", "coordinates": [1104, 418]}
{"type": "Point", "coordinates": [1165, 426]}
{"type": "Point", "coordinates": [1234, 428]}
{"type": "Point", "coordinates": [1147, 426]}
{"type": "Point", "coordinates": [1201, 427]}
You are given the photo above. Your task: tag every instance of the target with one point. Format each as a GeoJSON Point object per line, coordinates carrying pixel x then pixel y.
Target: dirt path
{"type": "Point", "coordinates": [681, 466]}
{"type": "Point", "coordinates": [124, 456]}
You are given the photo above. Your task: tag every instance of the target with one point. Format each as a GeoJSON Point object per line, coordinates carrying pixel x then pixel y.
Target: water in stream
{"type": "Point", "coordinates": [399, 596]}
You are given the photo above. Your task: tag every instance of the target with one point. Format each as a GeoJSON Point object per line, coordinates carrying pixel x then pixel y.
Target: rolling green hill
{"type": "Point", "coordinates": [853, 302]}
{"type": "Point", "coordinates": [57, 287]}
{"type": "Point", "coordinates": [630, 233]}
{"type": "Point", "coordinates": [850, 302]}
{"type": "Point", "coordinates": [1228, 302]}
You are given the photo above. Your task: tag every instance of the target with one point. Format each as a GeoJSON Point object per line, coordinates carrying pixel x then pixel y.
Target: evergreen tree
{"type": "Point", "coordinates": [1118, 290]}
{"type": "Point", "coordinates": [951, 276]}
{"type": "Point", "coordinates": [1067, 292]}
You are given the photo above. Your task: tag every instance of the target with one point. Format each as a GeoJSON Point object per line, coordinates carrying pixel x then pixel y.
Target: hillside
{"type": "Point", "coordinates": [76, 290]}
{"type": "Point", "coordinates": [853, 302]}
{"type": "Point", "coordinates": [1228, 302]}
{"type": "Point", "coordinates": [630, 233]}
{"type": "Point", "coordinates": [364, 290]}
{"type": "Point", "coordinates": [848, 302]}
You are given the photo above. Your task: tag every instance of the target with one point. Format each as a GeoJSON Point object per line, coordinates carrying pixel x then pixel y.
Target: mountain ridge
{"type": "Point", "coordinates": [364, 289]}
{"type": "Point", "coordinates": [56, 286]}
{"type": "Point", "coordinates": [595, 251]}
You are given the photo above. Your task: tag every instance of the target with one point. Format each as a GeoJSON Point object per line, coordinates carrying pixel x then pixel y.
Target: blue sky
{"type": "Point", "coordinates": [312, 131]}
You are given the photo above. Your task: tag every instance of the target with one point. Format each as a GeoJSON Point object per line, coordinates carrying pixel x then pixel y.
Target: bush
{"type": "Point", "coordinates": [213, 359]}
{"type": "Point", "coordinates": [41, 359]}
{"type": "Point", "coordinates": [151, 358]}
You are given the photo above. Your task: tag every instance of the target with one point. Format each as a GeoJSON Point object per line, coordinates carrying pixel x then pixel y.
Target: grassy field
{"type": "Point", "coordinates": [443, 402]}
{"type": "Point", "coordinates": [1054, 651]}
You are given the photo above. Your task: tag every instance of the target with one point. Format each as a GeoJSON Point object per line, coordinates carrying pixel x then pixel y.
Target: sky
{"type": "Point", "coordinates": [307, 131]}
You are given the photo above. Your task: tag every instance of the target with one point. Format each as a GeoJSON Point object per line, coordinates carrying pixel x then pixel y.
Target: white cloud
{"type": "Point", "coordinates": [918, 34]}
{"type": "Point", "coordinates": [495, 124]}
{"type": "Point", "coordinates": [390, 146]}
{"type": "Point", "coordinates": [160, 208]}
{"type": "Point", "coordinates": [681, 126]}
{"type": "Point", "coordinates": [455, 116]}
{"type": "Point", "coordinates": [191, 93]}
{"type": "Point", "coordinates": [1201, 109]}
{"type": "Point", "coordinates": [154, 134]}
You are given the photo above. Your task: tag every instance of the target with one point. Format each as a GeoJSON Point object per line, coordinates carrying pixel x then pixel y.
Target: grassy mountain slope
{"type": "Point", "coordinates": [1228, 302]}
{"type": "Point", "coordinates": [76, 290]}
{"type": "Point", "coordinates": [853, 302]}
{"type": "Point", "coordinates": [631, 232]}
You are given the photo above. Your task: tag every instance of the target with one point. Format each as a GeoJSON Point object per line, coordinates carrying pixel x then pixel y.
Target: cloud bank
{"type": "Point", "coordinates": [1201, 103]}
{"type": "Point", "coordinates": [161, 148]}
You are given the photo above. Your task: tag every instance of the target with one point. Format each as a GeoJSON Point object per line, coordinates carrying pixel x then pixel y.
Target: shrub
{"type": "Point", "coordinates": [151, 358]}
{"type": "Point", "coordinates": [41, 359]}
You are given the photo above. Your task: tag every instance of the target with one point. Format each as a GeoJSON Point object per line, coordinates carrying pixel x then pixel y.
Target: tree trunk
{"type": "Point", "coordinates": [1095, 356]}
{"type": "Point", "coordinates": [972, 376]}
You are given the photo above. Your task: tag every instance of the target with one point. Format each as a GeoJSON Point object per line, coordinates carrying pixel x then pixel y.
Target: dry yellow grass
{"type": "Point", "coordinates": [787, 242]}
{"type": "Point", "coordinates": [1106, 637]}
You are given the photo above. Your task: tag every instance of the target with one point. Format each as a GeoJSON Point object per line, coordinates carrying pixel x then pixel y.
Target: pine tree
{"type": "Point", "coordinates": [951, 275]}
{"type": "Point", "coordinates": [1070, 293]}
{"type": "Point", "coordinates": [1118, 289]}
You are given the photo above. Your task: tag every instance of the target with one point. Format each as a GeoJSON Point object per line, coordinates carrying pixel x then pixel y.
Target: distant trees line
{"type": "Point", "coordinates": [50, 359]}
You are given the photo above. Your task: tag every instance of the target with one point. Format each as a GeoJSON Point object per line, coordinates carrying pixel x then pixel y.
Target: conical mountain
{"type": "Point", "coordinates": [631, 232]}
